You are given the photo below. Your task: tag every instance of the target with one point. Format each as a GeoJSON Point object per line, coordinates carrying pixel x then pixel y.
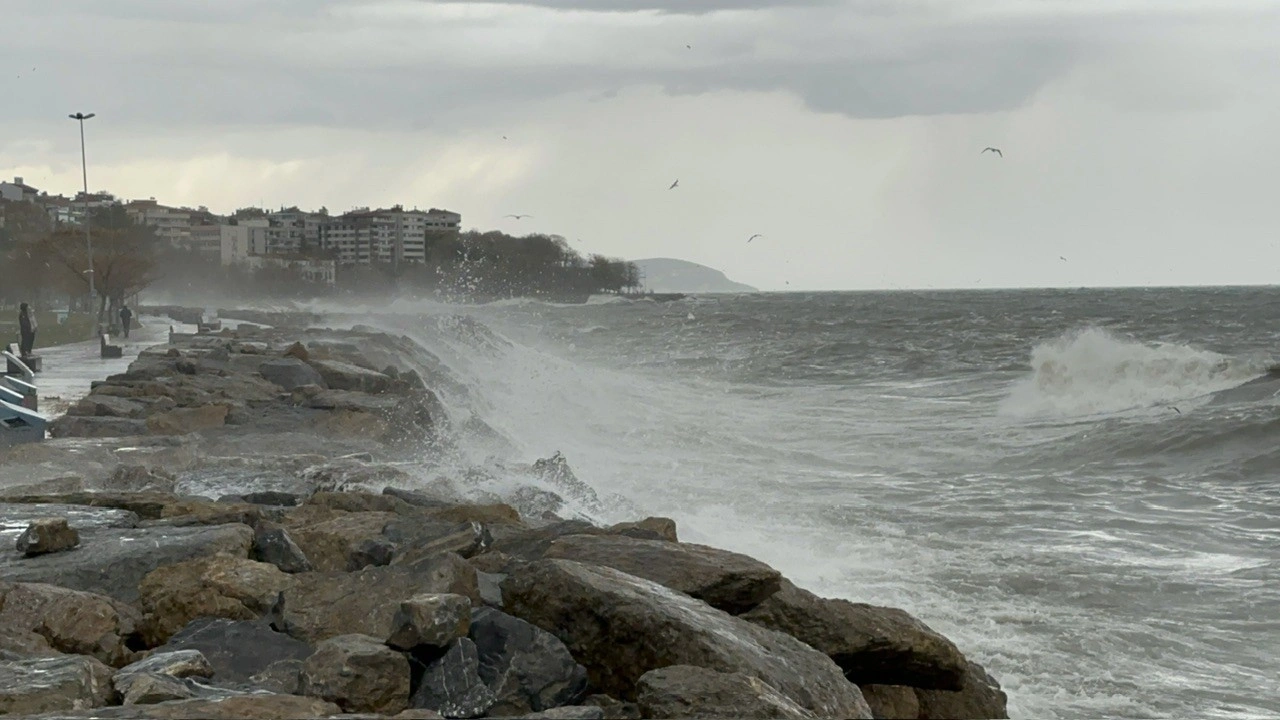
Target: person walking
{"type": "Point", "coordinates": [126, 315]}
{"type": "Point", "coordinates": [27, 327]}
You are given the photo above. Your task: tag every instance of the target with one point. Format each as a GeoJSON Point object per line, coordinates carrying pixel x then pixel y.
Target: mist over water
{"type": "Point", "coordinates": [1008, 466]}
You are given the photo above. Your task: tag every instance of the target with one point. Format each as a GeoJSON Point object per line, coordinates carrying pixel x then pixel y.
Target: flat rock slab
{"type": "Point", "coordinates": [37, 685]}
{"type": "Point", "coordinates": [112, 561]}
{"type": "Point", "coordinates": [621, 627]}
{"type": "Point", "coordinates": [237, 649]}
{"type": "Point", "coordinates": [726, 580]}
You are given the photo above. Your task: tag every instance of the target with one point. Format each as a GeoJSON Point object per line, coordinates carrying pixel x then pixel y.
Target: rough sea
{"type": "Point", "coordinates": [1046, 477]}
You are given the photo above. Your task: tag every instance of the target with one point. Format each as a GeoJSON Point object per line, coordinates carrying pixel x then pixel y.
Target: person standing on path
{"type": "Point", "coordinates": [125, 316]}
{"type": "Point", "coordinates": [27, 326]}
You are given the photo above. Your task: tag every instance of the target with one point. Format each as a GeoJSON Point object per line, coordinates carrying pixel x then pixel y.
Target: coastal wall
{"type": "Point", "coordinates": [251, 524]}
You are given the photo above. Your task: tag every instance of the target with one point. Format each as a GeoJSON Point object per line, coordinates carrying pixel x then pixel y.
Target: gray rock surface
{"type": "Point", "coordinates": [273, 544]}
{"type": "Point", "coordinates": [621, 627]}
{"type": "Point", "coordinates": [113, 561]}
{"type": "Point", "coordinates": [451, 685]}
{"type": "Point", "coordinates": [290, 373]}
{"type": "Point", "coordinates": [237, 649]}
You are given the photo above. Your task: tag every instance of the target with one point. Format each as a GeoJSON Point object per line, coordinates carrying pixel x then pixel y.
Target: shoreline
{"type": "Point", "coordinates": [263, 467]}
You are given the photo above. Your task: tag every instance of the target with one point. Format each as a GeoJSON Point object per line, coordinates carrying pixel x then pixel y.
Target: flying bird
{"type": "Point", "coordinates": [753, 237]}
{"type": "Point", "coordinates": [504, 137]}
{"type": "Point", "coordinates": [689, 46]}
{"type": "Point", "coordinates": [674, 184]}
{"type": "Point", "coordinates": [1062, 258]}
{"type": "Point", "coordinates": [518, 216]}
{"type": "Point", "coordinates": [991, 149]}
{"type": "Point", "coordinates": [1175, 409]}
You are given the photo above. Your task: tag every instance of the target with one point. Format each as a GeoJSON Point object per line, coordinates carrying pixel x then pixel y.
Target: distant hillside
{"type": "Point", "coordinates": [667, 275]}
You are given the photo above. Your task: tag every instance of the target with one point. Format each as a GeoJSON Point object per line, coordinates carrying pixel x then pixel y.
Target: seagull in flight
{"type": "Point", "coordinates": [689, 47]}
{"type": "Point", "coordinates": [991, 149]}
{"type": "Point", "coordinates": [518, 216]}
{"type": "Point", "coordinates": [1062, 258]}
{"type": "Point", "coordinates": [674, 184]}
{"type": "Point", "coordinates": [753, 237]}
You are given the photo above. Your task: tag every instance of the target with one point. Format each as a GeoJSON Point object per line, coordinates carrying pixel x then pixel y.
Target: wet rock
{"type": "Point", "coordinates": [340, 375]}
{"type": "Point", "coordinates": [145, 505]}
{"type": "Point", "coordinates": [47, 535]}
{"type": "Point", "coordinates": [322, 605]}
{"type": "Point", "coordinates": [525, 667]}
{"type": "Point", "coordinates": [685, 691]}
{"type": "Point", "coordinates": [51, 684]}
{"type": "Point", "coordinates": [237, 650]}
{"type": "Point", "coordinates": [652, 528]}
{"type": "Point", "coordinates": [236, 707]}
{"type": "Point", "coordinates": [451, 685]}
{"type": "Point", "coordinates": [76, 426]}
{"type": "Point", "coordinates": [359, 674]}
{"type": "Point", "coordinates": [107, 406]}
{"type": "Point", "coordinates": [981, 698]}
{"type": "Point", "coordinates": [70, 621]}
{"type": "Point", "coordinates": [290, 373]}
{"type": "Point", "coordinates": [491, 514]}
{"type": "Point", "coordinates": [725, 580]}
{"type": "Point", "coordinates": [437, 497]}
{"type": "Point", "coordinates": [873, 645]}
{"type": "Point", "coordinates": [334, 545]}
{"type": "Point", "coordinates": [351, 400]}
{"type": "Point", "coordinates": [173, 664]}
{"type": "Point", "coordinates": [273, 544]}
{"type": "Point", "coordinates": [139, 478]}
{"type": "Point", "coordinates": [272, 497]}
{"type": "Point", "coordinates": [892, 702]}
{"type": "Point", "coordinates": [188, 420]}
{"type": "Point", "coordinates": [621, 627]}
{"type": "Point", "coordinates": [235, 588]}
{"type": "Point", "coordinates": [298, 351]}
{"type": "Point", "coordinates": [614, 708]}
{"type": "Point", "coordinates": [433, 620]}
{"type": "Point", "coordinates": [362, 502]}
{"type": "Point", "coordinates": [353, 475]}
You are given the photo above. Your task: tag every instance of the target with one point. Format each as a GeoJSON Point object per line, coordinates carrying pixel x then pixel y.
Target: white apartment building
{"type": "Point", "coordinates": [171, 224]}
{"type": "Point", "coordinates": [393, 235]}
{"type": "Point", "coordinates": [292, 231]}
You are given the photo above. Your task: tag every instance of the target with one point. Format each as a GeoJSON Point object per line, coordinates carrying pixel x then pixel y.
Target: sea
{"type": "Point", "coordinates": [1053, 479]}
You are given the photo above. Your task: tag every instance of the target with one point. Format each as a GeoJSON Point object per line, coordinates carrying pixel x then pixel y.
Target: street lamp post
{"type": "Point", "coordinates": [88, 240]}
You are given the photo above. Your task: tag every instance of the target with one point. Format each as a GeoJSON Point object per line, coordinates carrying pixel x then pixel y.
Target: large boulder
{"type": "Point", "coordinates": [333, 545]}
{"type": "Point", "coordinates": [52, 684]}
{"type": "Point", "coordinates": [47, 535]}
{"type": "Point", "coordinates": [70, 621]}
{"type": "Point", "coordinates": [431, 621]}
{"type": "Point", "coordinates": [621, 627]}
{"type": "Point", "coordinates": [235, 588]}
{"type": "Point", "coordinates": [726, 580]}
{"type": "Point", "coordinates": [113, 561]}
{"type": "Point", "coordinates": [873, 645]}
{"type": "Point", "coordinates": [981, 698]}
{"type": "Point", "coordinates": [358, 673]}
{"type": "Point", "coordinates": [345, 376]}
{"type": "Point", "coordinates": [290, 373]}
{"type": "Point", "coordinates": [17, 643]}
{"type": "Point", "coordinates": [451, 685]}
{"type": "Point", "coordinates": [527, 668]}
{"type": "Point", "coordinates": [181, 421]}
{"type": "Point", "coordinates": [237, 650]}
{"type": "Point", "coordinates": [322, 605]}
{"type": "Point", "coordinates": [685, 691]}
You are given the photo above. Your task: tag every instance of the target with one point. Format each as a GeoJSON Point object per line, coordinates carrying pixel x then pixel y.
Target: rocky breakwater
{"type": "Point", "coordinates": [362, 592]}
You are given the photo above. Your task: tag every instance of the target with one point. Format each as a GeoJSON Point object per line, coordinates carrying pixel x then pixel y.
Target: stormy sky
{"type": "Point", "coordinates": [1140, 136]}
